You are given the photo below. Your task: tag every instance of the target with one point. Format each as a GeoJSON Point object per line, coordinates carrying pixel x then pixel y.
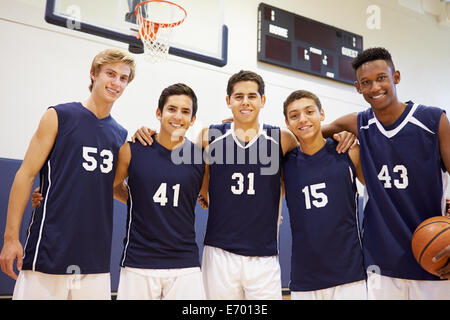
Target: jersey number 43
{"type": "Point", "coordinates": [385, 177]}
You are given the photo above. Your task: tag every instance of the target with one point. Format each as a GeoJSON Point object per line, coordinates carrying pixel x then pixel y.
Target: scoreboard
{"type": "Point", "coordinates": [289, 40]}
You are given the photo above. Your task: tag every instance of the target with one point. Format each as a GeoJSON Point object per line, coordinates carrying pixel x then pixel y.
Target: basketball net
{"type": "Point", "coordinates": [156, 20]}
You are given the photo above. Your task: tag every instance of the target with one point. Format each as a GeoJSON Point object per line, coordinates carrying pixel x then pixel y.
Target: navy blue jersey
{"type": "Point", "coordinates": [244, 191]}
{"type": "Point", "coordinates": [163, 190]}
{"type": "Point", "coordinates": [404, 175]}
{"type": "Point", "coordinates": [72, 229]}
{"type": "Point", "coordinates": [321, 197]}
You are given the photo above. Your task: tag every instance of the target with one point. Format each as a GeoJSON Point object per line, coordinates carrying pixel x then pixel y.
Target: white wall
{"type": "Point", "coordinates": [45, 65]}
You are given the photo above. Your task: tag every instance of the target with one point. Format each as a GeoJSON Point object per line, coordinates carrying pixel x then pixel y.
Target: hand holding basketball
{"type": "Point", "coordinates": [444, 273]}
{"type": "Point", "coordinates": [429, 239]}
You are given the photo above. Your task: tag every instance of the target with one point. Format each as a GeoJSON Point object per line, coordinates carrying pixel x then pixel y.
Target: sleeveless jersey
{"type": "Point", "coordinates": [321, 197]}
{"type": "Point", "coordinates": [71, 231]}
{"type": "Point", "coordinates": [163, 189]}
{"type": "Point", "coordinates": [404, 176]}
{"type": "Point", "coordinates": [244, 191]}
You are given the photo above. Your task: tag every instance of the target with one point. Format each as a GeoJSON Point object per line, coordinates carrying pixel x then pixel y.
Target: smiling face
{"type": "Point", "coordinates": [176, 117]}
{"type": "Point", "coordinates": [303, 118]}
{"type": "Point", "coordinates": [110, 82]}
{"type": "Point", "coordinates": [245, 103]}
{"type": "Point", "coordinates": [376, 81]}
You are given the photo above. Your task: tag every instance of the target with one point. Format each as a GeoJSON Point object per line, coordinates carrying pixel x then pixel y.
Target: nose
{"type": "Point", "coordinates": [375, 86]}
{"type": "Point", "coordinates": [302, 117]}
{"type": "Point", "coordinates": [116, 81]}
{"type": "Point", "coordinates": [178, 115]}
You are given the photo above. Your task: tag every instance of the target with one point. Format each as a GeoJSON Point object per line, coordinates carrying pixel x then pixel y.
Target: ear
{"type": "Point", "coordinates": [192, 120]}
{"type": "Point", "coordinates": [92, 76]}
{"type": "Point", "coordinates": [396, 77]}
{"type": "Point", "coordinates": [263, 100]}
{"type": "Point", "coordinates": [357, 86]}
{"type": "Point", "coordinates": [227, 99]}
{"type": "Point", "coordinates": [158, 114]}
{"type": "Point", "coordinates": [322, 114]}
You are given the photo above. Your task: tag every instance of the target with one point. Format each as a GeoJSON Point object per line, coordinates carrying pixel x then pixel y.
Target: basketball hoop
{"type": "Point", "coordinates": [156, 20]}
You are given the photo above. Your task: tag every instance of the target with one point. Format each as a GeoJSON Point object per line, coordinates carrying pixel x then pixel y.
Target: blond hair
{"type": "Point", "coordinates": [112, 56]}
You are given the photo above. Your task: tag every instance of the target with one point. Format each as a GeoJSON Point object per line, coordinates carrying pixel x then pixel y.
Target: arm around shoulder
{"type": "Point", "coordinates": [288, 140]}
{"type": "Point", "coordinates": [444, 140]}
{"type": "Point", "coordinates": [355, 157]}
{"type": "Point", "coordinates": [348, 122]}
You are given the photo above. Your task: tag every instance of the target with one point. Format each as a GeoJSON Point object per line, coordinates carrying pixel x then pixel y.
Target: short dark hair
{"type": "Point", "coordinates": [372, 54]}
{"type": "Point", "coordinates": [300, 94]}
{"type": "Point", "coordinates": [245, 75]}
{"type": "Point", "coordinates": [178, 89]}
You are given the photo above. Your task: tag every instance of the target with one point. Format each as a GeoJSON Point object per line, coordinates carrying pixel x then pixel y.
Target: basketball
{"type": "Point", "coordinates": [430, 237]}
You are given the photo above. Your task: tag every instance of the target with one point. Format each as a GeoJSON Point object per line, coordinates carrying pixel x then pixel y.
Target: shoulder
{"type": "Point", "coordinates": [69, 107]}
{"type": "Point", "coordinates": [217, 130]}
{"type": "Point", "coordinates": [429, 116]}
{"type": "Point", "coordinates": [288, 140]}
{"type": "Point", "coordinates": [123, 133]}
{"type": "Point", "coordinates": [363, 117]}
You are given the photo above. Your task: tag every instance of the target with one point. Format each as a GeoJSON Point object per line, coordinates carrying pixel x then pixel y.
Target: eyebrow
{"type": "Point", "coordinates": [115, 72]}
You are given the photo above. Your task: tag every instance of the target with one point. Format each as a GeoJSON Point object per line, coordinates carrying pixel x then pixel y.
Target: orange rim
{"type": "Point", "coordinates": [148, 23]}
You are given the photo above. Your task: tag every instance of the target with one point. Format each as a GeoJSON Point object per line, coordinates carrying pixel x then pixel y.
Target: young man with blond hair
{"type": "Point", "coordinates": [74, 149]}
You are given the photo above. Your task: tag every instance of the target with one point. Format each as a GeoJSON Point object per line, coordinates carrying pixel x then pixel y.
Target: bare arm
{"type": "Point", "coordinates": [348, 122]}
{"type": "Point", "coordinates": [38, 150]}
{"type": "Point", "coordinates": [354, 156]}
{"type": "Point", "coordinates": [288, 140]}
{"type": "Point", "coordinates": [123, 161]}
{"type": "Point", "coordinates": [144, 136]}
{"type": "Point", "coordinates": [203, 196]}
{"type": "Point", "coordinates": [444, 140]}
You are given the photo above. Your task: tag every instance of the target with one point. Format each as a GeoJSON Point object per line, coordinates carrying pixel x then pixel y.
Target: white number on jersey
{"type": "Point", "coordinates": [401, 183]}
{"type": "Point", "coordinates": [239, 189]}
{"type": "Point", "coordinates": [321, 198]}
{"type": "Point", "coordinates": [91, 163]}
{"type": "Point", "coordinates": [160, 195]}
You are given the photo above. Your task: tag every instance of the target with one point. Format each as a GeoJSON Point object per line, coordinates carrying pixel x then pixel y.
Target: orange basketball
{"type": "Point", "coordinates": [430, 237]}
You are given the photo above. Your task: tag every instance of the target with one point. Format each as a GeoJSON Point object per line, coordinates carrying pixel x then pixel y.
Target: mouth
{"type": "Point", "coordinates": [245, 111]}
{"type": "Point", "coordinates": [304, 128]}
{"type": "Point", "coordinates": [378, 96]}
{"type": "Point", "coordinates": [112, 91]}
{"type": "Point", "coordinates": [176, 125]}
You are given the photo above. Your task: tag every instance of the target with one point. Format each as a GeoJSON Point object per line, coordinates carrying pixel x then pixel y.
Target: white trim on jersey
{"type": "Point", "coordinates": [44, 212]}
{"type": "Point", "coordinates": [357, 220]}
{"type": "Point", "coordinates": [254, 139]}
{"type": "Point", "coordinates": [31, 223]}
{"type": "Point", "coordinates": [222, 137]}
{"type": "Point", "coordinates": [129, 226]}
{"type": "Point", "coordinates": [444, 189]}
{"type": "Point", "coordinates": [393, 132]}
{"type": "Point", "coordinates": [261, 132]}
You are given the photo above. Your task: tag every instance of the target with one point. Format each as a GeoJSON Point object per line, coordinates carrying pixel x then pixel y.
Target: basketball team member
{"type": "Point", "coordinates": [405, 153]}
{"type": "Point", "coordinates": [240, 255]}
{"type": "Point", "coordinates": [321, 195]}
{"type": "Point", "coordinates": [160, 259]}
{"type": "Point", "coordinates": [75, 149]}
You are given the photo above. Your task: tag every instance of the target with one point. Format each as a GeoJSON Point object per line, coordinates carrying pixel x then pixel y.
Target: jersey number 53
{"type": "Point", "coordinates": [90, 163]}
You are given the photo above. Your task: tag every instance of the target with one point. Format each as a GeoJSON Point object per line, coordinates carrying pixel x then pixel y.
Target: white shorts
{"type": "Point", "coordinates": [229, 276]}
{"type": "Point", "coordinates": [348, 291]}
{"type": "Point", "coordinates": [160, 284]}
{"type": "Point", "coordinates": [387, 288]}
{"type": "Point", "coordinates": [34, 285]}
